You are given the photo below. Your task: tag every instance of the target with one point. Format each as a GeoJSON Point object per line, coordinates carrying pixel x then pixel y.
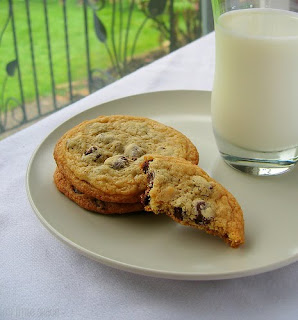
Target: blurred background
{"type": "Point", "coordinates": [55, 52]}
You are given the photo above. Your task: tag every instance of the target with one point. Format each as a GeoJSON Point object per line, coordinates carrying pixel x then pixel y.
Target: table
{"type": "Point", "coordinates": [41, 278]}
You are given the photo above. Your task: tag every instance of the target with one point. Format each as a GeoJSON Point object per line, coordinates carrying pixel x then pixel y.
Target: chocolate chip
{"type": "Point", "coordinates": [99, 204]}
{"type": "Point", "coordinates": [150, 178]}
{"type": "Point", "coordinates": [120, 163]}
{"type": "Point", "coordinates": [200, 219]}
{"type": "Point", "coordinates": [90, 150]}
{"type": "Point", "coordinates": [145, 166]}
{"type": "Point", "coordinates": [178, 213]}
{"type": "Point", "coordinates": [201, 205]}
{"type": "Point", "coordinates": [75, 190]}
{"type": "Point", "coordinates": [145, 198]}
{"type": "Point", "coordinates": [97, 156]}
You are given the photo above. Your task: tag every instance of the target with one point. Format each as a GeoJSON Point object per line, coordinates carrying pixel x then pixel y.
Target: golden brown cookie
{"type": "Point", "coordinates": [191, 197]}
{"type": "Point", "coordinates": [89, 203]}
{"type": "Point", "coordinates": [101, 157]}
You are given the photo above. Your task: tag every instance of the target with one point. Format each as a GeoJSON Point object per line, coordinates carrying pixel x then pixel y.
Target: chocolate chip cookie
{"type": "Point", "coordinates": [191, 197]}
{"type": "Point", "coordinates": [90, 203]}
{"type": "Point", "coordinates": [101, 157]}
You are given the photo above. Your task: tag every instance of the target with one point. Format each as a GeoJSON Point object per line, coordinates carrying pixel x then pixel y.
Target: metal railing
{"type": "Point", "coordinates": [175, 26]}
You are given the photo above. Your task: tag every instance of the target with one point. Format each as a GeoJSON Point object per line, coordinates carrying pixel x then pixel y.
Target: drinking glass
{"type": "Point", "coordinates": [254, 103]}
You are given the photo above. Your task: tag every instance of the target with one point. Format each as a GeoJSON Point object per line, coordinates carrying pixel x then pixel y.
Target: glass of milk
{"type": "Point", "coordinates": [255, 94]}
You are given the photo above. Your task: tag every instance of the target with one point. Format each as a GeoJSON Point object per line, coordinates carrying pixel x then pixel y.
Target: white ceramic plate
{"type": "Point", "coordinates": [156, 245]}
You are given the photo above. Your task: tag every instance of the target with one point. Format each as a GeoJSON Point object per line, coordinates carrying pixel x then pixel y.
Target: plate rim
{"type": "Point", "coordinates": [151, 272]}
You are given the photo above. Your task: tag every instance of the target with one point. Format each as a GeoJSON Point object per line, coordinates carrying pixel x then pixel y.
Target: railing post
{"type": "Point", "coordinates": [17, 59]}
{"type": "Point", "coordinates": [67, 51]}
{"type": "Point", "coordinates": [33, 57]}
{"type": "Point", "coordinates": [85, 3]}
{"type": "Point", "coordinates": [50, 53]}
{"type": "Point", "coordinates": [173, 40]}
{"type": "Point", "coordinates": [206, 16]}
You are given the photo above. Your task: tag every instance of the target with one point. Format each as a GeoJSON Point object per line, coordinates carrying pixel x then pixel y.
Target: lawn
{"type": "Point", "coordinates": [99, 57]}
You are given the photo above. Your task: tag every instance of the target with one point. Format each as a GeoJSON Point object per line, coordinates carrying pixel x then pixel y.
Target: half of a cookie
{"type": "Point", "coordinates": [90, 203]}
{"type": "Point", "coordinates": [191, 197]}
{"type": "Point", "coordinates": [101, 157]}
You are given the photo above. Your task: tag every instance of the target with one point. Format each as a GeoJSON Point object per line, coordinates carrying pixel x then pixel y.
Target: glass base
{"type": "Point", "coordinates": [255, 162]}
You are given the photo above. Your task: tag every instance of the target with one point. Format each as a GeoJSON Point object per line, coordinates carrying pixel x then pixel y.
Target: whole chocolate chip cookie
{"type": "Point", "coordinates": [90, 203]}
{"type": "Point", "coordinates": [101, 157]}
{"type": "Point", "coordinates": [191, 197]}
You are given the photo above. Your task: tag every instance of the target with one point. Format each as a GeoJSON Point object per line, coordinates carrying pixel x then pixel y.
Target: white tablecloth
{"type": "Point", "coordinates": [41, 278]}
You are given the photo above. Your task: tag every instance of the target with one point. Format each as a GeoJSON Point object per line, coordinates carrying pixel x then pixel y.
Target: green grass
{"type": "Point", "coordinates": [149, 39]}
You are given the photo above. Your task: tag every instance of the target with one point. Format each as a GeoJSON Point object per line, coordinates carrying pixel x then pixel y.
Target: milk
{"type": "Point", "coordinates": [255, 93]}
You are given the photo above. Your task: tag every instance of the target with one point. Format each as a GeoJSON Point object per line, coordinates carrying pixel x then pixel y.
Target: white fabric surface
{"type": "Point", "coordinates": [41, 278]}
